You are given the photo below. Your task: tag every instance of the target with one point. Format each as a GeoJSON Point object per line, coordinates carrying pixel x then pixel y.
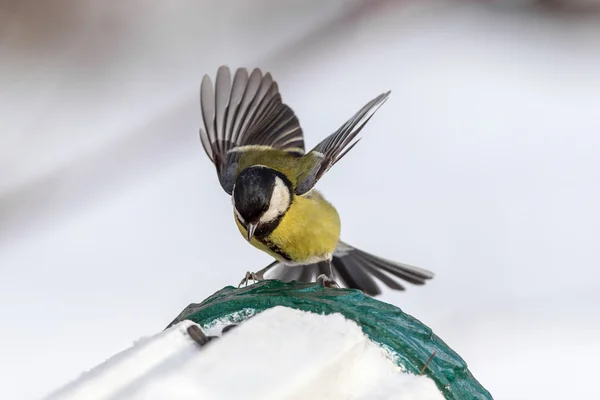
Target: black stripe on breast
{"type": "Point", "coordinates": [263, 231]}
{"type": "Point", "coordinates": [274, 248]}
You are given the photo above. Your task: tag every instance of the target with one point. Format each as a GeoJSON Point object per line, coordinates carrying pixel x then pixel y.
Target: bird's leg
{"type": "Point", "coordinates": [328, 281]}
{"type": "Point", "coordinates": [251, 276]}
{"type": "Point", "coordinates": [256, 276]}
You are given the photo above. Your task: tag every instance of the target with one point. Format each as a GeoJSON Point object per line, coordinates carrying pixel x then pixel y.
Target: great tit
{"type": "Point", "coordinates": [256, 144]}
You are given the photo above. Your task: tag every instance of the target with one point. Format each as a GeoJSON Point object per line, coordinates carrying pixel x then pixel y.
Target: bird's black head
{"type": "Point", "coordinates": [261, 195]}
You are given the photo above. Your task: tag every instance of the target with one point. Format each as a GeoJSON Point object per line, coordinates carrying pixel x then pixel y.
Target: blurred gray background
{"type": "Point", "coordinates": [483, 167]}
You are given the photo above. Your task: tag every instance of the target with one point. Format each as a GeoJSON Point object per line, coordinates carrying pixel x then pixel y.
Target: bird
{"type": "Point", "coordinates": [256, 144]}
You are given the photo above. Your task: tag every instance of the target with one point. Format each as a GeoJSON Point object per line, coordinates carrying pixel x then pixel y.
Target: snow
{"type": "Point", "coordinates": [281, 353]}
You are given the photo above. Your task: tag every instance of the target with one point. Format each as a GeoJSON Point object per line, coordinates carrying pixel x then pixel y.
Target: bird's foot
{"type": "Point", "coordinates": [251, 276]}
{"type": "Point", "coordinates": [327, 281]}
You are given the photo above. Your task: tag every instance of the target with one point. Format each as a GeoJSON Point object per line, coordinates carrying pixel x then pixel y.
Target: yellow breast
{"type": "Point", "coordinates": [308, 232]}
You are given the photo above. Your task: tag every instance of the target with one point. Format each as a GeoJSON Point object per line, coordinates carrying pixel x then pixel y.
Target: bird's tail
{"type": "Point", "coordinates": [355, 269]}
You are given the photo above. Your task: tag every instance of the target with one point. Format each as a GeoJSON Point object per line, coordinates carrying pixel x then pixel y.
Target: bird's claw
{"type": "Point", "coordinates": [251, 276]}
{"type": "Point", "coordinates": [327, 281]}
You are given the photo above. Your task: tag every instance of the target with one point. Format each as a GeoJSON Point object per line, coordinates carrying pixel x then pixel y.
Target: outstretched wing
{"type": "Point", "coordinates": [336, 145]}
{"type": "Point", "coordinates": [247, 112]}
{"type": "Point", "coordinates": [355, 269]}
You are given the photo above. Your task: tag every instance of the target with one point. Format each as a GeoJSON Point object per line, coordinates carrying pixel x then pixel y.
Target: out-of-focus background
{"type": "Point", "coordinates": [483, 167]}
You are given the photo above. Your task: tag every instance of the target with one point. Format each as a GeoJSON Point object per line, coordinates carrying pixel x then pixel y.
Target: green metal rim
{"type": "Point", "coordinates": [412, 342]}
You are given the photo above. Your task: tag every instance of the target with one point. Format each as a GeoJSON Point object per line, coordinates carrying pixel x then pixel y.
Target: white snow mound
{"type": "Point", "coordinates": [281, 353]}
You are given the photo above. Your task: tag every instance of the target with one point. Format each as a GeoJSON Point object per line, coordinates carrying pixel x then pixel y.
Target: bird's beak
{"type": "Point", "coordinates": [250, 228]}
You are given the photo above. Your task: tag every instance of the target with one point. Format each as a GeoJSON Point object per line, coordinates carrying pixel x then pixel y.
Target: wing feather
{"type": "Point", "coordinates": [238, 89]}
{"type": "Point", "coordinates": [248, 111]}
{"type": "Point", "coordinates": [207, 105]}
{"type": "Point", "coordinates": [335, 146]}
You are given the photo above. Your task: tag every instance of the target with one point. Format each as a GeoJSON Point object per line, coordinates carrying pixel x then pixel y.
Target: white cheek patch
{"type": "Point", "coordinates": [280, 201]}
